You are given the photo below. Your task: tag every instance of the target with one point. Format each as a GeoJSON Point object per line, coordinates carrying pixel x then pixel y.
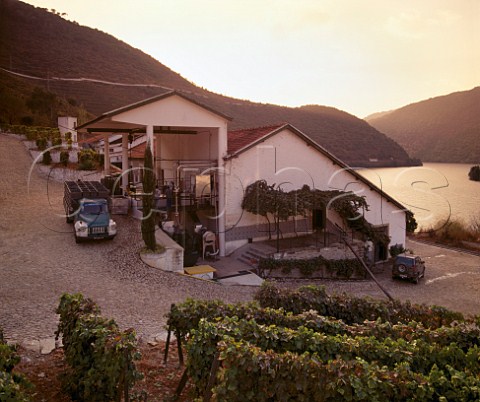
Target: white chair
{"type": "Point", "coordinates": [209, 240]}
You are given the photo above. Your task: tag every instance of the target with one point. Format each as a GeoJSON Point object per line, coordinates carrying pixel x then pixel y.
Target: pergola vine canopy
{"type": "Point", "coordinates": [270, 201]}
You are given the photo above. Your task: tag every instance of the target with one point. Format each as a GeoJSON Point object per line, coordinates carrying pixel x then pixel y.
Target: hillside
{"type": "Point", "coordinates": [441, 129]}
{"type": "Point", "coordinates": [39, 43]}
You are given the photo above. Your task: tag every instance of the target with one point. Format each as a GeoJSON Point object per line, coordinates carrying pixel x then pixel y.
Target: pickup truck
{"type": "Point", "coordinates": [86, 204]}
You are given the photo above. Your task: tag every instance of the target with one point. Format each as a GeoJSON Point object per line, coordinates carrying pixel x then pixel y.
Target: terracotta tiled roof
{"type": "Point", "coordinates": [89, 139]}
{"type": "Point", "coordinates": [239, 139]}
{"type": "Point", "coordinates": [138, 151]}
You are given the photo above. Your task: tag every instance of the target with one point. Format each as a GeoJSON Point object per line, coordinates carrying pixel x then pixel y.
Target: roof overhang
{"type": "Point", "coordinates": [169, 113]}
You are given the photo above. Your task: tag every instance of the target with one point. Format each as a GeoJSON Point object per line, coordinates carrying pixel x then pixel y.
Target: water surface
{"type": "Point", "coordinates": [435, 192]}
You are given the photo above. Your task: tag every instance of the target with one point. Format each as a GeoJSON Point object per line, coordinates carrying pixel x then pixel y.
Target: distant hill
{"type": "Point", "coordinates": [441, 129]}
{"type": "Point", "coordinates": [39, 43]}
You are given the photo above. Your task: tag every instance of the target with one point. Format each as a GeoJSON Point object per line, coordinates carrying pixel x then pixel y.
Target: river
{"type": "Point", "coordinates": [434, 192]}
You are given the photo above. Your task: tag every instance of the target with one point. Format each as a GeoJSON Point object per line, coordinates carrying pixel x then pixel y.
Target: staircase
{"type": "Point", "coordinates": [252, 254]}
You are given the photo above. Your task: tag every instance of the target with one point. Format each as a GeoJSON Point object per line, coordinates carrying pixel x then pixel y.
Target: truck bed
{"type": "Point", "coordinates": [76, 190]}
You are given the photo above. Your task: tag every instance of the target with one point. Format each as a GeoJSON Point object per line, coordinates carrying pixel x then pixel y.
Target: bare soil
{"type": "Point", "coordinates": [160, 380]}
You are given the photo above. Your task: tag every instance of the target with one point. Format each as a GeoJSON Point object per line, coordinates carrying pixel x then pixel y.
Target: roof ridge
{"type": "Point", "coordinates": [267, 126]}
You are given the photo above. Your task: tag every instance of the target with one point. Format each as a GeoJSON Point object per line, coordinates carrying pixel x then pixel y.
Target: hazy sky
{"type": "Point", "coordinates": [361, 56]}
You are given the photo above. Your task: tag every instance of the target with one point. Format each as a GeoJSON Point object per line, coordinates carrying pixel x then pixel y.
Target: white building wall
{"type": "Point", "coordinates": [68, 124]}
{"type": "Point", "coordinates": [173, 111]}
{"type": "Point", "coordinates": [286, 160]}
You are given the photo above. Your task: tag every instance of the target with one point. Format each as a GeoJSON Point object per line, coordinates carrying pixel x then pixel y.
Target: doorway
{"type": "Point", "coordinates": [318, 219]}
{"type": "Point", "coordinates": [381, 249]}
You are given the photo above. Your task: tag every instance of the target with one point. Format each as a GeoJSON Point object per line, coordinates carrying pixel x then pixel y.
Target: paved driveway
{"type": "Point", "coordinates": [40, 260]}
{"type": "Point", "coordinates": [452, 280]}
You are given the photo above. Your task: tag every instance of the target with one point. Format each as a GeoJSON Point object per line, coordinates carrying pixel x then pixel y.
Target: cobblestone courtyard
{"type": "Point", "coordinates": [40, 260]}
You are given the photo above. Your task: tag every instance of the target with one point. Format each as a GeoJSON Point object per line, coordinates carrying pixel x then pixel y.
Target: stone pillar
{"type": "Point", "coordinates": [222, 151]}
{"type": "Point", "coordinates": [106, 154]}
{"type": "Point", "coordinates": [125, 164]}
{"type": "Point", "coordinates": [158, 153]}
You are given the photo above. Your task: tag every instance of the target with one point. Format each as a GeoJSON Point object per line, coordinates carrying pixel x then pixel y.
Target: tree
{"type": "Point", "coordinates": [11, 107]}
{"type": "Point", "coordinates": [148, 221]}
{"type": "Point", "coordinates": [43, 103]}
{"type": "Point", "coordinates": [474, 173]}
{"type": "Point", "coordinates": [257, 200]}
{"type": "Point", "coordinates": [411, 222]}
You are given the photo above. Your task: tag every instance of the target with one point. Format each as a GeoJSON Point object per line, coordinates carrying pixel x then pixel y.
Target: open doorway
{"type": "Point", "coordinates": [318, 219]}
{"type": "Point", "coordinates": [381, 249]}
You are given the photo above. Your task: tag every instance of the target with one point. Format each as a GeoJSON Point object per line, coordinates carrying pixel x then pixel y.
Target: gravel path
{"type": "Point", "coordinates": [40, 260]}
{"type": "Point", "coordinates": [452, 280]}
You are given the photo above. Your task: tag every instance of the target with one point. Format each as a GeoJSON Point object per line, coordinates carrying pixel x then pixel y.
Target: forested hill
{"type": "Point", "coordinates": [441, 129]}
{"type": "Point", "coordinates": [40, 43]}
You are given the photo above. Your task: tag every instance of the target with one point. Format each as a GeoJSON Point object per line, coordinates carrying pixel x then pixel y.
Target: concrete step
{"type": "Point", "coordinates": [252, 256]}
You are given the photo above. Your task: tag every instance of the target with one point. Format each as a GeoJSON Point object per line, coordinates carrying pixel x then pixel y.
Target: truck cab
{"type": "Point", "coordinates": [86, 205]}
{"type": "Point", "coordinates": [92, 221]}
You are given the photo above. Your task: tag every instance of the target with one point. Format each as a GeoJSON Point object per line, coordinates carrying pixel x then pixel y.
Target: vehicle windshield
{"type": "Point", "coordinates": [405, 261]}
{"type": "Point", "coordinates": [94, 209]}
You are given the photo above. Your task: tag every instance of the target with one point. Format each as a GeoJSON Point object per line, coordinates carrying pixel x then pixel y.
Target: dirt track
{"type": "Point", "coordinates": [39, 261]}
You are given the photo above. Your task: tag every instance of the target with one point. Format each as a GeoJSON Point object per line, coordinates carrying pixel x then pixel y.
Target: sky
{"type": "Point", "coordinates": [360, 56]}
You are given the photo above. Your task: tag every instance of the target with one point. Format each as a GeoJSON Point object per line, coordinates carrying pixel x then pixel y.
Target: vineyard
{"type": "Point", "coordinates": [306, 345]}
{"type": "Point", "coordinates": [286, 345]}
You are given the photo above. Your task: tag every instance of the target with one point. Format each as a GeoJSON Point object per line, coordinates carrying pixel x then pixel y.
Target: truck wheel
{"type": "Point", "coordinates": [77, 239]}
{"type": "Point", "coordinates": [402, 268]}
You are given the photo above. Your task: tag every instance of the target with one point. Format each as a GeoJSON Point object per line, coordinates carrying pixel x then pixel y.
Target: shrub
{"type": "Point", "coordinates": [12, 385]}
{"type": "Point", "coordinates": [47, 158]}
{"type": "Point", "coordinates": [100, 356]}
{"type": "Point", "coordinates": [68, 139]}
{"type": "Point", "coordinates": [397, 249]}
{"type": "Point", "coordinates": [353, 309]}
{"type": "Point", "coordinates": [27, 120]}
{"type": "Point", "coordinates": [185, 317]}
{"type": "Point", "coordinates": [475, 226]}
{"type": "Point", "coordinates": [64, 157]}
{"type": "Point", "coordinates": [87, 159]}
{"type": "Point", "coordinates": [31, 133]}
{"type": "Point", "coordinates": [41, 143]}
{"type": "Point", "coordinates": [247, 373]}
{"type": "Point", "coordinates": [454, 232]}
{"type": "Point", "coordinates": [245, 352]}
{"type": "Point", "coordinates": [420, 355]}
{"type": "Point", "coordinates": [343, 268]}
{"type": "Point", "coordinates": [56, 141]}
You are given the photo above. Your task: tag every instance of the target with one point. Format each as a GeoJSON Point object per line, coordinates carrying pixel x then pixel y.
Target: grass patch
{"type": "Point", "coordinates": [159, 249]}
{"type": "Point", "coordinates": [454, 232]}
